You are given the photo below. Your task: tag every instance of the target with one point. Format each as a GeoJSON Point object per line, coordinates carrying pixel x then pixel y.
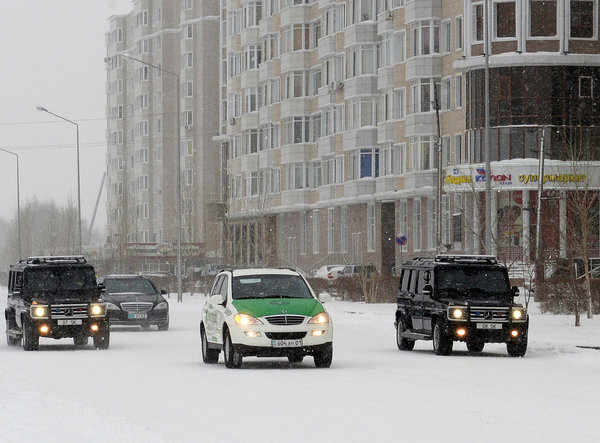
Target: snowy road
{"type": "Point", "coordinates": [152, 386]}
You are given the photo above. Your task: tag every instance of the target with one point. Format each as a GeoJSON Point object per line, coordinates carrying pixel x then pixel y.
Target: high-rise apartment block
{"type": "Point", "coordinates": [341, 126]}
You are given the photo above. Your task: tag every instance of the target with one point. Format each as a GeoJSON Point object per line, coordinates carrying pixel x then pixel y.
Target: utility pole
{"type": "Point", "coordinates": [538, 227]}
{"type": "Point", "coordinates": [438, 211]}
{"type": "Point", "coordinates": [486, 131]}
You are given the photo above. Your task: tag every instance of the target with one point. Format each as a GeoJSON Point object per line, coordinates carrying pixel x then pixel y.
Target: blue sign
{"type": "Point", "coordinates": [401, 239]}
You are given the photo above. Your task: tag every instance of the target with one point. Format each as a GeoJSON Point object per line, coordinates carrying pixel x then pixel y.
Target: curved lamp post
{"type": "Point", "coordinates": [179, 229]}
{"type": "Point", "coordinates": [42, 109]}
{"type": "Point", "coordinates": [18, 199]}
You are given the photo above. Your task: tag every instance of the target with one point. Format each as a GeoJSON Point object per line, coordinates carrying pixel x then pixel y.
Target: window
{"type": "Point", "coordinates": [330, 230]}
{"type": "Point", "coordinates": [315, 220]}
{"type": "Point", "coordinates": [251, 99]}
{"type": "Point", "coordinates": [296, 176]}
{"type": "Point", "coordinates": [269, 136]}
{"type": "Point", "coordinates": [188, 60]}
{"type": "Point", "coordinates": [422, 95]}
{"type": "Point", "coordinates": [296, 84]}
{"type": "Point", "coordinates": [252, 56]}
{"type": "Point", "coordinates": [417, 228]}
{"type": "Point", "coordinates": [296, 130]}
{"type": "Point", "coordinates": [296, 38]}
{"type": "Point", "coordinates": [364, 60]}
{"type": "Point", "coordinates": [251, 141]}
{"type": "Point", "coordinates": [363, 112]}
{"type": "Point", "coordinates": [362, 10]}
{"type": "Point", "coordinates": [391, 160]}
{"type": "Point", "coordinates": [446, 46]}
{"type": "Point", "coordinates": [188, 177]}
{"type": "Point", "coordinates": [251, 14]}
{"type": "Point", "coordinates": [303, 232]}
{"type": "Point", "coordinates": [425, 37]}
{"type": "Point", "coordinates": [583, 18]}
{"type": "Point", "coordinates": [344, 229]}
{"type": "Point", "coordinates": [478, 22]}
{"type": "Point", "coordinates": [445, 94]}
{"type": "Point", "coordinates": [188, 118]}
{"type": "Point", "coordinates": [188, 4]}
{"type": "Point", "coordinates": [370, 227]}
{"type": "Point", "coordinates": [188, 31]}
{"type": "Point", "coordinates": [458, 91]}
{"type": "Point", "coordinates": [585, 87]}
{"type": "Point", "coordinates": [364, 163]}
{"type": "Point", "coordinates": [270, 46]}
{"type": "Point", "coordinates": [542, 15]}
{"type": "Point", "coordinates": [505, 19]}
{"type": "Point", "coordinates": [458, 33]}
{"type": "Point", "coordinates": [252, 183]}
{"type": "Point", "coordinates": [458, 149]}
{"type": "Point", "coordinates": [188, 89]}
{"type": "Point", "coordinates": [421, 153]}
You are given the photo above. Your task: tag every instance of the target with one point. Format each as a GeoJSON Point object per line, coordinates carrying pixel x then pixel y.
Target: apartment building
{"type": "Point", "coordinates": [162, 91]}
{"type": "Point", "coordinates": [335, 115]}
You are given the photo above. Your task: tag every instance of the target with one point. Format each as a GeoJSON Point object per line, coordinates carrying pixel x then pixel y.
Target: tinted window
{"type": "Point", "coordinates": [470, 281]}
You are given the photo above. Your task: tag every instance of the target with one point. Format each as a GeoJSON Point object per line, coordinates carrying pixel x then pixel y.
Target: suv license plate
{"type": "Point", "coordinates": [489, 325]}
{"type": "Point", "coordinates": [69, 322]}
{"type": "Point", "coordinates": [286, 343]}
{"type": "Point", "coordinates": [135, 315]}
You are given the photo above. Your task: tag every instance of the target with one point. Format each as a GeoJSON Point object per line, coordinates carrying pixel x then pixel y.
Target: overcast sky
{"type": "Point", "coordinates": [53, 56]}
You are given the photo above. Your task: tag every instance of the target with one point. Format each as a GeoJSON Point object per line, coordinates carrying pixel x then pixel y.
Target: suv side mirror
{"type": "Point", "coordinates": [101, 287]}
{"type": "Point", "coordinates": [427, 290]}
{"type": "Point", "coordinates": [515, 291]}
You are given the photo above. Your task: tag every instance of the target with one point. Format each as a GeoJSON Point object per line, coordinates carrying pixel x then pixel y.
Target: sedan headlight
{"type": "Point", "coordinates": [38, 311]}
{"type": "Point", "coordinates": [112, 307]}
{"type": "Point", "coordinates": [517, 314]}
{"type": "Point", "coordinates": [246, 320]}
{"type": "Point", "coordinates": [161, 305]}
{"type": "Point", "coordinates": [97, 310]}
{"type": "Point", "coordinates": [320, 319]}
{"type": "Point", "coordinates": [457, 313]}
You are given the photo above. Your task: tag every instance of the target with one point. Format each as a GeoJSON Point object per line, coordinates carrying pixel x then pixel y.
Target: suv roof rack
{"type": "Point", "coordinates": [55, 259]}
{"type": "Point", "coordinates": [449, 258]}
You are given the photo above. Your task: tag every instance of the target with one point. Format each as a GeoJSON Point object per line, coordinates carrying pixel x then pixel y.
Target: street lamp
{"type": "Point", "coordinates": [18, 199]}
{"type": "Point", "coordinates": [179, 229]}
{"type": "Point", "coordinates": [42, 109]}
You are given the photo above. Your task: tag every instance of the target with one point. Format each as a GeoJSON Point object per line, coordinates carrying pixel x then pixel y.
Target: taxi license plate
{"type": "Point", "coordinates": [136, 315]}
{"type": "Point", "coordinates": [489, 325]}
{"type": "Point", "coordinates": [69, 322]}
{"type": "Point", "coordinates": [286, 343]}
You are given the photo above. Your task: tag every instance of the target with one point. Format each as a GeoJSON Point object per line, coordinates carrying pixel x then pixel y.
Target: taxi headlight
{"type": "Point", "coordinates": [246, 320]}
{"type": "Point", "coordinates": [97, 310]}
{"type": "Point", "coordinates": [39, 311]}
{"type": "Point", "coordinates": [320, 319]}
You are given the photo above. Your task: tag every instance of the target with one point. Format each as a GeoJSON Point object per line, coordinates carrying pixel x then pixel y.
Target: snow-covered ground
{"type": "Point", "coordinates": [152, 386]}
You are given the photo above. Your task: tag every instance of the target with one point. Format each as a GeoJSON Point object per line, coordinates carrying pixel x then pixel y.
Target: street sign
{"type": "Point", "coordinates": [401, 239]}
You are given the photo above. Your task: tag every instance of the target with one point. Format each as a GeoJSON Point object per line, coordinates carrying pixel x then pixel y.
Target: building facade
{"type": "Point", "coordinates": [335, 115]}
{"type": "Point", "coordinates": [322, 131]}
{"type": "Point", "coordinates": [162, 89]}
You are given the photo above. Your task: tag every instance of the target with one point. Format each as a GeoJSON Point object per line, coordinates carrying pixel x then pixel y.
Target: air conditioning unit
{"type": "Point", "coordinates": [389, 15]}
{"type": "Point", "coordinates": [336, 86]}
{"type": "Point", "coordinates": [188, 127]}
{"type": "Point", "coordinates": [232, 121]}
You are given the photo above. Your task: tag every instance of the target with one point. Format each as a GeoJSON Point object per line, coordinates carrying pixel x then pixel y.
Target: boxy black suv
{"type": "Point", "coordinates": [55, 297]}
{"type": "Point", "coordinates": [459, 298]}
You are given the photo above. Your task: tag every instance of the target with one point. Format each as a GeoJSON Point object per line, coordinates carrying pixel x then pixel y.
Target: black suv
{"type": "Point", "coordinates": [459, 297]}
{"type": "Point", "coordinates": [55, 297]}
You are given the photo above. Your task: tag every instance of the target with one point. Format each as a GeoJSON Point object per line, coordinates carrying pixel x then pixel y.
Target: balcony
{"type": "Point", "coordinates": [360, 138]}
{"type": "Point", "coordinates": [361, 85]}
{"type": "Point", "coordinates": [295, 60]}
{"type": "Point", "coordinates": [356, 188]}
{"type": "Point", "coordinates": [298, 152]}
{"type": "Point", "coordinates": [249, 36]}
{"type": "Point", "coordinates": [249, 121]}
{"type": "Point", "coordinates": [295, 14]}
{"type": "Point", "coordinates": [425, 66]}
{"type": "Point", "coordinates": [385, 78]}
{"type": "Point", "coordinates": [422, 10]}
{"type": "Point", "coordinates": [422, 123]}
{"type": "Point", "coordinates": [327, 46]}
{"type": "Point", "coordinates": [365, 32]}
{"type": "Point", "coordinates": [296, 106]}
{"type": "Point", "coordinates": [326, 146]}
{"type": "Point", "coordinates": [295, 197]}
{"type": "Point", "coordinates": [385, 22]}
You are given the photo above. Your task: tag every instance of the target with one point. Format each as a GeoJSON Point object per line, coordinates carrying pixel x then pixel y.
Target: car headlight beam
{"type": "Point", "coordinates": [97, 310]}
{"type": "Point", "coordinates": [39, 311]}
{"type": "Point", "coordinates": [517, 314]}
{"type": "Point", "coordinates": [246, 320]}
{"type": "Point", "coordinates": [320, 319]}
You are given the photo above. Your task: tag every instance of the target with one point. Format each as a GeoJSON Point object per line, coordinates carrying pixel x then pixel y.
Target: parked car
{"type": "Point", "coordinates": [135, 300]}
{"type": "Point", "coordinates": [55, 297]}
{"type": "Point", "coordinates": [464, 298]}
{"type": "Point", "coordinates": [265, 313]}
{"type": "Point", "coordinates": [329, 272]}
{"type": "Point", "coordinates": [358, 270]}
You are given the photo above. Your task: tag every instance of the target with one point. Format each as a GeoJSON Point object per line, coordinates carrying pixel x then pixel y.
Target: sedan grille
{"type": "Point", "coordinates": [285, 335]}
{"type": "Point", "coordinates": [286, 320]}
{"type": "Point", "coordinates": [69, 311]}
{"type": "Point", "coordinates": [482, 314]}
{"type": "Point", "coordinates": [131, 306]}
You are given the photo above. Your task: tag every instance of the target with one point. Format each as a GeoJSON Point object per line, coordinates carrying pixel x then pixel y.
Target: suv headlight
{"type": "Point", "coordinates": [97, 310]}
{"type": "Point", "coordinates": [458, 313]}
{"type": "Point", "coordinates": [39, 311]}
{"type": "Point", "coordinates": [320, 319]}
{"type": "Point", "coordinates": [161, 305]}
{"type": "Point", "coordinates": [518, 314]}
{"type": "Point", "coordinates": [246, 320]}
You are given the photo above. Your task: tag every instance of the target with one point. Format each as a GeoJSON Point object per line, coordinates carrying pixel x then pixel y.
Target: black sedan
{"type": "Point", "coordinates": [135, 300]}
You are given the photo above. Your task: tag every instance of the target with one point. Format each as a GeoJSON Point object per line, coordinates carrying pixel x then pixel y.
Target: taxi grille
{"type": "Point", "coordinates": [285, 320]}
{"type": "Point", "coordinates": [285, 335]}
{"type": "Point", "coordinates": [69, 311]}
{"type": "Point", "coordinates": [136, 306]}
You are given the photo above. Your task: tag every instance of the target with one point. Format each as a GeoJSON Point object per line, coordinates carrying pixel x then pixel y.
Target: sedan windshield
{"type": "Point", "coordinates": [132, 285]}
{"type": "Point", "coordinates": [472, 281]}
{"type": "Point", "coordinates": [269, 286]}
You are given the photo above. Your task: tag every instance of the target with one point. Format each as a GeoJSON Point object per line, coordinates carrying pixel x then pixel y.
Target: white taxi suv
{"type": "Point", "coordinates": [265, 313]}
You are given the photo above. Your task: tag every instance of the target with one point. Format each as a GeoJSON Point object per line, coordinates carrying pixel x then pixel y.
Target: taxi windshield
{"type": "Point", "coordinates": [269, 286]}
